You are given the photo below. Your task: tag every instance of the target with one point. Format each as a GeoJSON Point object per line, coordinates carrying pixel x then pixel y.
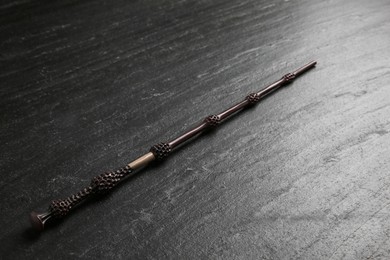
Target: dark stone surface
{"type": "Point", "coordinates": [87, 86]}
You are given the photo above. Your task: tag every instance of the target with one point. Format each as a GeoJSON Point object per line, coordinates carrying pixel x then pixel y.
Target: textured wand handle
{"type": "Point", "coordinates": [99, 185]}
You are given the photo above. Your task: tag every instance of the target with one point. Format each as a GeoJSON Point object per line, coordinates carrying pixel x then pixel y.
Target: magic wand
{"type": "Point", "coordinates": [105, 182]}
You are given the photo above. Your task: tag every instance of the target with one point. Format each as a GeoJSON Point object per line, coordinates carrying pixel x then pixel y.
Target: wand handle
{"type": "Point", "coordinates": [105, 182]}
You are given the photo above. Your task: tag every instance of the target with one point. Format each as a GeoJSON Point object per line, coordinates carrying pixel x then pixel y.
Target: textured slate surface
{"type": "Point", "coordinates": [88, 86]}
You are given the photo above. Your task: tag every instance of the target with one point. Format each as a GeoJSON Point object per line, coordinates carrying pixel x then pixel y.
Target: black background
{"type": "Point", "coordinates": [87, 86]}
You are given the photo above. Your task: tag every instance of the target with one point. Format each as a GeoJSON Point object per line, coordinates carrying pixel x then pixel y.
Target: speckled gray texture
{"type": "Point", "coordinates": [87, 86]}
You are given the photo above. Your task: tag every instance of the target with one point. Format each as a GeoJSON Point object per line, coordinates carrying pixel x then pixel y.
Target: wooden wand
{"type": "Point", "coordinates": [105, 182]}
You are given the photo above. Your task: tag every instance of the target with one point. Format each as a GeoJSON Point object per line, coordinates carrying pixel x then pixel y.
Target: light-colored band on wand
{"type": "Point", "coordinates": [142, 161]}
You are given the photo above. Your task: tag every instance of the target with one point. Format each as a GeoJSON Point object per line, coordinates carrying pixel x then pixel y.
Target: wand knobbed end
{"type": "Point", "coordinates": [38, 220]}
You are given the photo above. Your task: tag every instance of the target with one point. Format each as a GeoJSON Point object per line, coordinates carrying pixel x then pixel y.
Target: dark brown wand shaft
{"type": "Point", "coordinates": [103, 183]}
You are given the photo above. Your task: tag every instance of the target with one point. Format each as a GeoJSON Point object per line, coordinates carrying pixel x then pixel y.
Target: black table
{"type": "Point", "coordinates": [87, 86]}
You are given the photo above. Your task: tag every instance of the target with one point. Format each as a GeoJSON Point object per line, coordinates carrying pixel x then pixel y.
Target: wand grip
{"type": "Point", "coordinates": [99, 185]}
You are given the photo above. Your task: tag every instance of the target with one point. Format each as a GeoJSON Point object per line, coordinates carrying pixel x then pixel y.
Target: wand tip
{"type": "Point", "coordinates": [38, 220]}
{"type": "Point", "coordinates": [305, 68]}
